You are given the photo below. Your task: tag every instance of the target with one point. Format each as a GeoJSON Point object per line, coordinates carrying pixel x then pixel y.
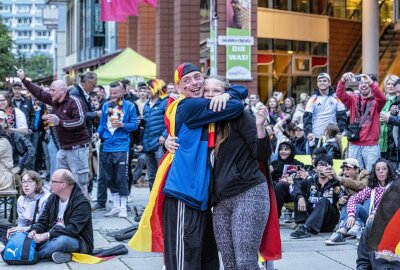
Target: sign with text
{"type": "Point", "coordinates": [238, 40]}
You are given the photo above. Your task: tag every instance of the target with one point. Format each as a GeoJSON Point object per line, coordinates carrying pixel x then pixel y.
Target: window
{"type": "Point", "coordinates": [24, 47]}
{"type": "Point", "coordinates": [42, 47]}
{"type": "Point", "coordinates": [24, 21]}
{"type": "Point", "coordinates": [42, 34]}
{"type": "Point", "coordinates": [24, 33]}
{"type": "Point", "coordinates": [23, 8]}
{"type": "Point", "coordinates": [5, 8]}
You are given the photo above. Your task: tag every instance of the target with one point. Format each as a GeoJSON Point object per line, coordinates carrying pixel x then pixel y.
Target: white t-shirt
{"type": "Point", "coordinates": [20, 121]}
{"type": "Point", "coordinates": [115, 114]}
{"type": "Point", "coordinates": [61, 210]}
{"type": "Point", "coordinates": [323, 109]}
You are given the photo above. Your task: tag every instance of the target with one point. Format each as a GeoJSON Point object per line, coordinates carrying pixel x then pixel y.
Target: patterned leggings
{"type": "Point", "coordinates": [239, 224]}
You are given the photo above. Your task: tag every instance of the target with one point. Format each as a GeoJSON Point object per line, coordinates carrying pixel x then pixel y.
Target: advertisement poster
{"type": "Point", "coordinates": [238, 37]}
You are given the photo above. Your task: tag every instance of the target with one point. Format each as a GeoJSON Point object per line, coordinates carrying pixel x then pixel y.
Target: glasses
{"type": "Point", "coordinates": [53, 181]}
{"type": "Point", "coordinates": [2, 100]}
{"type": "Point", "coordinates": [27, 182]}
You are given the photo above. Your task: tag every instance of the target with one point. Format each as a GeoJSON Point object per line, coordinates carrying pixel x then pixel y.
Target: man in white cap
{"type": "Point", "coordinates": [352, 180]}
{"type": "Point", "coordinates": [322, 109]}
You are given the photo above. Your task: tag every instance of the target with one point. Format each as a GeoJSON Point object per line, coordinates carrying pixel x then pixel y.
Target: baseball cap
{"type": "Point", "coordinates": [17, 84]}
{"type": "Point", "coordinates": [324, 75]}
{"type": "Point", "coordinates": [350, 163]}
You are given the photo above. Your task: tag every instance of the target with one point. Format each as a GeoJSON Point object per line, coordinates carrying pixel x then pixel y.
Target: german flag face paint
{"type": "Point", "coordinates": [189, 80]}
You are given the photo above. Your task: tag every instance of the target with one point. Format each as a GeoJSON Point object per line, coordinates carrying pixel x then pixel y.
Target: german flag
{"type": "Point", "coordinates": [149, 236]}
{"type": "Point", "coordinates": [385, 232]}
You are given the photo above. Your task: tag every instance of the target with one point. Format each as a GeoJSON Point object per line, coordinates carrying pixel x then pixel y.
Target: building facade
{"type": "Point", "coordinates": [24, 21]}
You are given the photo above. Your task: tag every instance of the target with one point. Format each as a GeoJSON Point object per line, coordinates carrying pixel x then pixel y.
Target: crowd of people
{"type": "Point", "coordinates": [216, 159]}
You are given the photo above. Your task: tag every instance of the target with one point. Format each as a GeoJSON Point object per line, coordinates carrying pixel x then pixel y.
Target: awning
{"type": "Point", "coordinates": [127, 65]}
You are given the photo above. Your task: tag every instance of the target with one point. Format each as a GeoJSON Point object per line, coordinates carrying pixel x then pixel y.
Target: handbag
{"type": "Point", "coordinates": [353, 129]}
{"type": "Point", "coordinates": [20, 250]}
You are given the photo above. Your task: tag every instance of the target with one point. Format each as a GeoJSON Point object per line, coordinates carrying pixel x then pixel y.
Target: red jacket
{"type": "Point", "coordinates": [369, 133]}
{"type": "Point", "coordinates": [72, 130]}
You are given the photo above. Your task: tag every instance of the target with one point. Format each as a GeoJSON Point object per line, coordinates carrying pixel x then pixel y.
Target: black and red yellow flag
{"type": "Point", "coordinates": [385, 232]}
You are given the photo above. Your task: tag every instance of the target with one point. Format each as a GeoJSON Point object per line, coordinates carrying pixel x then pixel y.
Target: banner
{"type": "Point", "coordinates": [238, 39]}
{"type": "Point", "coordinates": [150, 2]}
{"type": "Point", "coordinates": [117, 10]}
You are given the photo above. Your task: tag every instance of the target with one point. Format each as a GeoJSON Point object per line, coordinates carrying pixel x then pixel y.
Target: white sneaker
{"type": "Point", "coordinates": [123, 213]}
{"type": "Point", "coordinates": [355, 230]}
{"type": "Point", "coordinates": [113, 212]}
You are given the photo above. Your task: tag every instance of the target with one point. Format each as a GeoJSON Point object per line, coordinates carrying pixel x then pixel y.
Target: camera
{"type": "Point", "coordinates": [356, 78]}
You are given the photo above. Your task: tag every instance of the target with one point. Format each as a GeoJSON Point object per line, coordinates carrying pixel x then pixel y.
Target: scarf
{"type": "Point", "coordinates": [383, 138]}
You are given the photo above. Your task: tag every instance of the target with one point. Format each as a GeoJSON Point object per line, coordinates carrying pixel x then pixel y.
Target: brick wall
{"type": "Point", "coordinates": [146, 31]}
{"type": "Point", "coordinates": [121, 36]}
{"type": "Point", "coordinates": [165, 40]}
{"type": "Point", "coordinates": [131, 32]}
{"type": "Point", "coordinates": [186, 32]}
{"type": "Point", "coordinates": [343, 37]}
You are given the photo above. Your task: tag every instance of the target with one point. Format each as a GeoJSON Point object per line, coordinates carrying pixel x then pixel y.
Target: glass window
{"type": "Point", "coordinates": [301, 6]}
{"type": "Point", "coordinates": [319, 48]}
{"type": "Point", "coordinates": [265, 44]}
{"type": "Point", "coordinates": [301, 47]}
{"type": "Point", "coordinates": [282, 4]}
{"type": "Point", "coordinates": [282, 45]}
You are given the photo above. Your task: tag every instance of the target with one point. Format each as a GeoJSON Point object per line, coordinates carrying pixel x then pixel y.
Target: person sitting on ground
{"type": "Point", "coordinates": [65, 225]}
{"type": "Point", "coordinates": [382, 176]}
{"type": "Point", "coordinates": [31, 203]}
{"type": "Point", "coordinates": [315, 200]}
{"type": "Point", "coordinates": [352, 180]}
{"type": "Point", "coordinates": [286, 153]}
{"type": "Point", "coordinates": [332, 143]}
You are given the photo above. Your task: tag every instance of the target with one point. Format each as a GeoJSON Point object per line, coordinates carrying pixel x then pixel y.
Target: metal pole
{"type": "Point", "coordinates": [370, 37]}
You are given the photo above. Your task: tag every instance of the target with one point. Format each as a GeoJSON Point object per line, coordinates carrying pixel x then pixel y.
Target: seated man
{"type": "Point", "coordinates": [352, 180]}
{"type": "Point", "coordinates": [315, 200]}
{"type": "Point", "coordinates": [66, 223]}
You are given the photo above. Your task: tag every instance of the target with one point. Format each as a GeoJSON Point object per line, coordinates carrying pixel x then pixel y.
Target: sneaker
{"type": "Point", "coordinates": [300, 233]}
{"type": "Point", "coordinates": [337, 238]}
{"type": "Point", "coordinates": [61, 257]}
{"type": "Point", "coordinates": [113, 212]}
{"type": "Point", "coordinates": [355, 230]}
{"type": "Point", "coordinates": [287, 216]}
{"type": "Point", "coordinates": [98, 207]}
{"type": "Point", "coordinates": [123, 212]}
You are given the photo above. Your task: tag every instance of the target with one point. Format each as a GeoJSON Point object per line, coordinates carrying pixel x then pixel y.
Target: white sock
{"type": "Point", "coordinates": [116, 200]}
{"type": "Point", "coordinates": [124, 201]}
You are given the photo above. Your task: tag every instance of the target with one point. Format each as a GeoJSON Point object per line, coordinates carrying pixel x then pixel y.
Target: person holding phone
{"type": "Point", "coordinates": [316, 200]}
{"type": "Point", "coordinates": [364, 112]}
{"type": "Point", "coordinates": [286, 152]}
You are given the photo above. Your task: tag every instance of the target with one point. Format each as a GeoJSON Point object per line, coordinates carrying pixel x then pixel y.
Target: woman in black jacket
{"type": "Point", "coordinates": [239, 190]}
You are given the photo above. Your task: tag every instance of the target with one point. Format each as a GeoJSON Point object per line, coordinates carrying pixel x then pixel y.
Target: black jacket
{"type": "Point", "coordinates": [341, 117]}
{"type": "Point", "coordinates": [77, 91]}
{"type": "Point", "coordinates": [26, 106]}
{"type": "Point", "coordinates": [279, 164]}
{"type": "Point", "coordinates": [312, 191]}
{"type": "Point", "coordinates": [77, 219]}
{"type": "Point", "coordinates": [237, 167]}
{"type": "Point", "coordinates": [332, 149]}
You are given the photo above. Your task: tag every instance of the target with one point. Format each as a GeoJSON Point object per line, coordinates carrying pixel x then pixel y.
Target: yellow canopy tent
{"type": "Point", "coordinates": [127, 65]}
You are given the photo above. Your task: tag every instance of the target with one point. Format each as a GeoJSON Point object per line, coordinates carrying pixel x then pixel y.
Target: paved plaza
{"type": "Point", "coordinates": [307, 254]}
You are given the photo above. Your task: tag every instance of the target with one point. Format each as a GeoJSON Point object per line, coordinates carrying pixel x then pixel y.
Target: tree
{"type": "Point", "coordinates": [37, 66]}
{"type": "Point", "coordinates": [6, 56]}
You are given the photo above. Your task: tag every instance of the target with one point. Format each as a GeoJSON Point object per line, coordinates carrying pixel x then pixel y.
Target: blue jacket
{"type": "Point", "coordinates": [119, 141]}
{"type": "Point", "coordinates": [189, 175]}
{"type": "Point", "coordinates": [154, 125]}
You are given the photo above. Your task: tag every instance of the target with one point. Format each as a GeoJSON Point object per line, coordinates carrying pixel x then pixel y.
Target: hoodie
{"type": "Point", "coordinates": [279, 164]}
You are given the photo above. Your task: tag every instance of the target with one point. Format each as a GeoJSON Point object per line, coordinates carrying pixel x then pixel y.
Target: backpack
{"type": "Point", "coordinates": [20, 250]}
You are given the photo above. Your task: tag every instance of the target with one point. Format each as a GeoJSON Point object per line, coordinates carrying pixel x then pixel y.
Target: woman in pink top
{"type": "Point", "coordinates": [381, 177]}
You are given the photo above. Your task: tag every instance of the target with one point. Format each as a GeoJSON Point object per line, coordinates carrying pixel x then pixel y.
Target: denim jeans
{"type": "Point", "coordinates": [366, 155]}
{"type": "Point", "coordinates": [152, 161]}
{"type": "Point", "coordinates": [62, 243]}
{"type": "Point", "coordinates": [52, 149]}
{"type": "Point", "coordinates": [361, 214]}
{"type": "Point", "coordinates": [35, 137]}
{"type": "Point", "coordinates": [141, 163]}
